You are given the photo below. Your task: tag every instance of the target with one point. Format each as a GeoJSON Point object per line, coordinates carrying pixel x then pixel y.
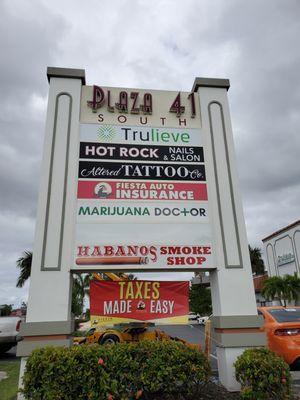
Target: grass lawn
{"type": "Point", "coordinates": [9, 386]}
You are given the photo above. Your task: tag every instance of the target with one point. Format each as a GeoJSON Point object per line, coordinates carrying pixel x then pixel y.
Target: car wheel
{"type": "Point", "coordinates": [109, 339]}
{"type": "Point", "coordinates": [5, 347]}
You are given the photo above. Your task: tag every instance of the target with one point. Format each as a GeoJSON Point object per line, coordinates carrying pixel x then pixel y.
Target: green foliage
{"type": "Point", "coordinates": [273, 288]}
{"type": "Point", "coordinates": [257, 262]}
{"type": "Point", "coordinates": [285, 288]}
{"type": "Point", "coordinates": [81, 282]}
{"type": "Point", "coordinates": [79, 333]}
{"type": "Point", "coordinates": [200, 300]}
{"type": "Point", "coordinates": [263, 375]}
{"type": "Point", "coordinates": [5, 310]}
{"type": "Point", "coordinates": [292, 287]}
{"type": "Point", "coordinates": [9, 386]}
{"type": "Point", "coordinates": [81, 286]}
{"type": "Point", "coordinates": [87, 314]}
{"type": "Point", "coordinates": [24, 264]}
{"type": "Point", "coordinates": [145, 370]}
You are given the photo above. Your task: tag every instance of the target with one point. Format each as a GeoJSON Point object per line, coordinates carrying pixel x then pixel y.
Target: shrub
{"type": "Point", "coordinates": [263, 375]}
{"type": "Point", "coordinates": [79, 333]}
{"type": "Point", "coordinates": [144, 370]}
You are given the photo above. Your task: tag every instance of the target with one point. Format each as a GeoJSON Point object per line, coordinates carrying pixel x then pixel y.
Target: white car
{"type": "Point", "coordinates": [202, 320]}
{"type": "Point", "coordinates": [9, 332]}
{"type": "Point", "coordinates": [193, 317]}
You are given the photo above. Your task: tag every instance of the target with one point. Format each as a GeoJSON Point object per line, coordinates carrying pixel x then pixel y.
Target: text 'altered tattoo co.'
{"type": "Point", "coordinates": [141, 181]}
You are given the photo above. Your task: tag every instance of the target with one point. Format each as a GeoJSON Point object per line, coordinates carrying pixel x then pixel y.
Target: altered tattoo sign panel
{"type": "Point", "coordinates": [142, 198]}
{"type": "Point", "coordinates": [138, 301]}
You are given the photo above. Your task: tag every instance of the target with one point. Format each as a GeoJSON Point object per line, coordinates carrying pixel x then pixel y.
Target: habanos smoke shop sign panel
{"type": "Point", "coordinates": [142, 185]}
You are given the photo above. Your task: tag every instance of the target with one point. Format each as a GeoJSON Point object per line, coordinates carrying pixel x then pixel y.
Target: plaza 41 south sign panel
{"type": "Point", "coordinates": [142, 201]}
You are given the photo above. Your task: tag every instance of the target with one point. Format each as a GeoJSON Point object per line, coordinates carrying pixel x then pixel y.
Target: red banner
{"type": "Point", "coordinates": [133, 301]}
{"type": "Point", "coordinates": [129, 190]}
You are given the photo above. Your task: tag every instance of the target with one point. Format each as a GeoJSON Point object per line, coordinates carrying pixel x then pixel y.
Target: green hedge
{"type": "Point", "coordinates": [263, 375]}
{"type": "Point", "coordinates": [144, 370]}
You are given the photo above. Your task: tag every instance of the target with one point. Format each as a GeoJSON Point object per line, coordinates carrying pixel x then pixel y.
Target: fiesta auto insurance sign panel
{"type": "Point", "coordinates": [142, 191]}
{"type": "Point", "coordinates": [138, 301]}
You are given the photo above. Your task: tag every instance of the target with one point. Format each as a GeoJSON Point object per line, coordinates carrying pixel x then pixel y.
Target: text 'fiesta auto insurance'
{"type": "Point", "coordinates": [142, 193]}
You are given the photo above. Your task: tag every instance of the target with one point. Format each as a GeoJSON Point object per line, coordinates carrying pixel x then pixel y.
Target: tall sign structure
{"type": "Point", "coordinates": [140, 180]}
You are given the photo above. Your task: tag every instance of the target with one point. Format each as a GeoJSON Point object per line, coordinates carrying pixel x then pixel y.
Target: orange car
{"type": "Point", "coordinates": [282, 327]}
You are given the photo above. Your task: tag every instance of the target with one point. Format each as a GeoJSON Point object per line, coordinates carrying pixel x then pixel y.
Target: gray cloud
{"type": "Point", "coordinates": [29, 36]}
{"type": "Point", "coordinates": [161, 46]}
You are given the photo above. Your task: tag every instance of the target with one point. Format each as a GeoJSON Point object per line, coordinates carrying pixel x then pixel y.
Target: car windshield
{"type": "Point", "coordinates": [286, 315]}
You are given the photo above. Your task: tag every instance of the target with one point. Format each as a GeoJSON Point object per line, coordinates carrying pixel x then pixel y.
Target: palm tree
{"type": "Point", "coordinates": [257, 263]}
{"type": "Point", "coordinates": [273, 289]}
{"type": "Point", "coordinates": [78, 293]}
{"type": "Point", "coordinates": [292, 287]}
{"type": "Point", "coordinates": [81, 285]}
{"type": "Point", "coordinates": [284, 288]}
{"type": "Point", "coordinates": [24, 263]}
{"type": "Point", "coordinates": [80, 282]}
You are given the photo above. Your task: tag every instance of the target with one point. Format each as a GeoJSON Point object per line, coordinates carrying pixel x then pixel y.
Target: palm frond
{"type": "Point", "coordinates": [24, 264]}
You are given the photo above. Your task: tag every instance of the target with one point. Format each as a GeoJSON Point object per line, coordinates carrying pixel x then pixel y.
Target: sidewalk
{"type": "Point", "coordinates": [296, 383]}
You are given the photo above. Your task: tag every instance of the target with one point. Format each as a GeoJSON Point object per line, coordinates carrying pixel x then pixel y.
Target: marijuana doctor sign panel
{"type": "Point", "coordinates": [142, 198]}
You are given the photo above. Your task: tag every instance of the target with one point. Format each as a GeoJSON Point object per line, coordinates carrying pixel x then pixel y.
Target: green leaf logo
{"type": "Point", "coordinates": [106, 133]}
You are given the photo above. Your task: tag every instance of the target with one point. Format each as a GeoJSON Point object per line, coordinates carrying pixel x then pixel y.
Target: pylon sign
{"type": "Point", "coordinates": [140, 180]}
{"type": "Point", "coordinates": [142, 198]}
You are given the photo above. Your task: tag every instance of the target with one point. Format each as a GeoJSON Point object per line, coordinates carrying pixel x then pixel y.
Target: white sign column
{"type": "Point", "coordinates": [49, 319]}
{"type": "Point", "coordinates": [235, 322]}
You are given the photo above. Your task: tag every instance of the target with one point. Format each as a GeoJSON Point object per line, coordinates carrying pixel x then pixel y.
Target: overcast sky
{"type": "Point", "coordinates": [161, 44]}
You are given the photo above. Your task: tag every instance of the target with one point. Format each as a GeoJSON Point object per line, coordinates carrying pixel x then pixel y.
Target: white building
{"type": "Point", "coordinates": [282, 251]}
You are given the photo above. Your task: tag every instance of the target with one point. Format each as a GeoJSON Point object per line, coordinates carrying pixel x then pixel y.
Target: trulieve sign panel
{"type": "Point", "coordinates": [142, 200]}
{"type": "Point", "coordinates": [137, 301]}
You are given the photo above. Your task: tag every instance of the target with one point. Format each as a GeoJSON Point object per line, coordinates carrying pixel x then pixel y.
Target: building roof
{"type": "Point", "coordinates": [286, 228]}
{"type": "Point", "coordinates": [258, 282]}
